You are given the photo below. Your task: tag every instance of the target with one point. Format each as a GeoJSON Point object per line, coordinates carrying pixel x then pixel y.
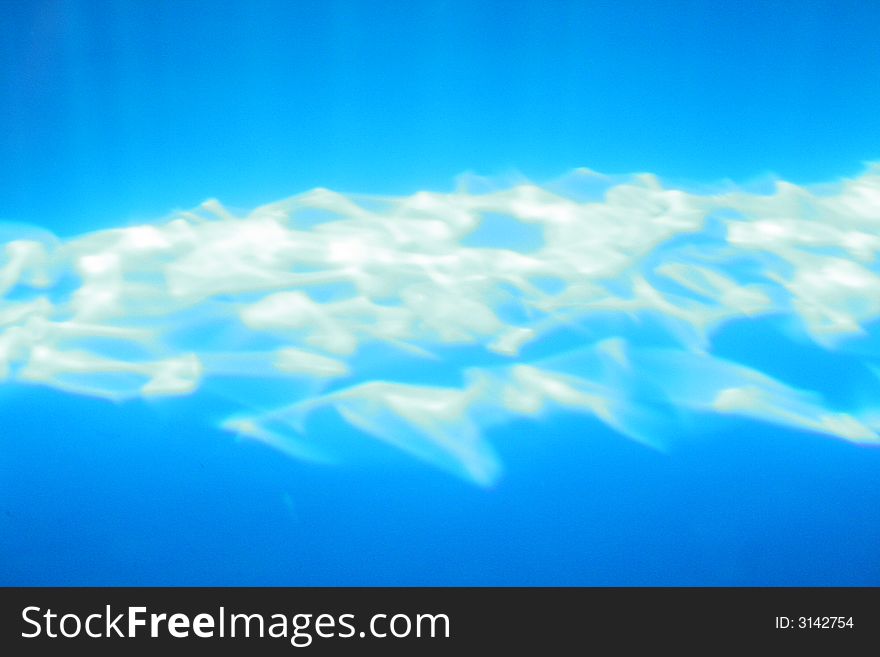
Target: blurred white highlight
{"type": "Point", "coordinates": [299, 291]}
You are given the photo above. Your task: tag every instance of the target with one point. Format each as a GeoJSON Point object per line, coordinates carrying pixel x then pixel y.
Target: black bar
{"type": "Point", "coordinates": [549, 620]}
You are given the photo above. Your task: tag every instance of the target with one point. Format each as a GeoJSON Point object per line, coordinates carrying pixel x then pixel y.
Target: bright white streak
{"type": "Point", "coordinates": [275, 294]}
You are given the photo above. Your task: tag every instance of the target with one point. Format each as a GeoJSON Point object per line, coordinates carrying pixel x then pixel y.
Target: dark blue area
{"type": "Point", "coordinates": [97, 493]}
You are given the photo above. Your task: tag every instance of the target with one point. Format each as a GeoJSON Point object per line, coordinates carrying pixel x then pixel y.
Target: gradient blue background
{"type": "Point", "coordinates": [113, 113]}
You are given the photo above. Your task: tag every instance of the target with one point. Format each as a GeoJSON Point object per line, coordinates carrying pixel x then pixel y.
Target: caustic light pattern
{"type": "Point", "coordinates": [423, 319]}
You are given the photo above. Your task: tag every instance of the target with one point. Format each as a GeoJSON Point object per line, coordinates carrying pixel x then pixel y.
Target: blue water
{"type": "Point", "coordinates": [115, 114]}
